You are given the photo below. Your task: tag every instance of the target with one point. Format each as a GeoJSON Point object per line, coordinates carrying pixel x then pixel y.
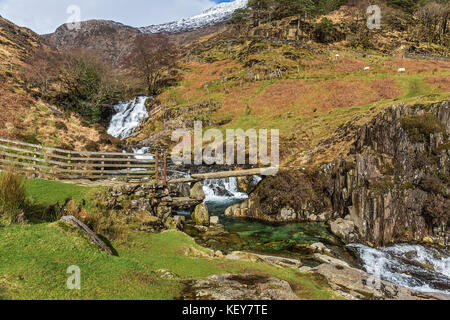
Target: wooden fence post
{"type": "Point", "coordinates": [128, 169]}
{"type": "Point", "coordinates": [103, 166]}
{"type": "Point", "coordinates": [36, 171]}
{"type": "Point", "coordinates": [165, 170]}
{"type": "Point", "coordinates": [157, 167]}
{"type": "Point", "coordinates": [69, 163]}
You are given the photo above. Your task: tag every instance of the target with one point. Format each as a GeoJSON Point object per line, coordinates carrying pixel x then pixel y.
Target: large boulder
{"type": "Point", "coordinates": [343, 228]}
{"type": "Point", "coordinates": [200, 215]}
{"type": "Point", "coordinates": [197, 192]}
{"type": "Point", "coordinates": [239, 287]}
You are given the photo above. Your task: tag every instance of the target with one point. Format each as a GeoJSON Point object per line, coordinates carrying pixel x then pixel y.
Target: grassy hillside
{"type": "Point", "coordinates": [24, 115]}
{"type": "Point", "coordinates": [305, 93]}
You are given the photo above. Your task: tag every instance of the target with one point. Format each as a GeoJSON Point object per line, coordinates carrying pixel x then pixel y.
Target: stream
{"type": "Point", "coordinates": [417, 267]}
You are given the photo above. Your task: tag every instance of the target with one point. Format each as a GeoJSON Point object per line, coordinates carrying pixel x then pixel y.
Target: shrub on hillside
{"type": "Point", "coordinates": [324, 31]}
{"type": "Point", "coordinates": [12, 197]}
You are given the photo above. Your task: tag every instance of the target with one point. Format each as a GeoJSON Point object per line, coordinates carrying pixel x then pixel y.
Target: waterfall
{"type": "Point", "coordinates": [411, 266]}
{"type": "Point", "coordinates": [217, 190]}
{"type": "Point", "coordinates": [129, 115]}
{"type": "Point", "coordinates": [145, 153]}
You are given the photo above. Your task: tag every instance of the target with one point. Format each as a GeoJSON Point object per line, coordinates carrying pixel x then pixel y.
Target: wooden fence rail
{"type": "Point", "coordinates": [45, 162]}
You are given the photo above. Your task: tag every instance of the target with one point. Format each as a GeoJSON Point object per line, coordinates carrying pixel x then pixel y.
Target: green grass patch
{"type": "Point", "coordinates": [35, 259]}
{"type": "Point", "coordinates": [46, 193]}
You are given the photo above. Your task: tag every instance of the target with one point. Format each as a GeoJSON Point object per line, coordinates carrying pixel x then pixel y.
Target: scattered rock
{"type": "Point", "coordinates": [214, 220]}
{"type": "Point", "coordinates": [239, 287]}
{"type": "Point", "coordinates": [166, 274]}
{"type": "Point", "coordinates": [93, 238]}
{"type": "Point", "coordinates": [200, 215]}
{"type": "Point", "coordinates": [176, 223]}
{"type": "Point", "coordinates": [327, 259]}
{"type": "Point", "coordinates": [288, 214]}
{"type": "Point", "coordinates": [319, 247]}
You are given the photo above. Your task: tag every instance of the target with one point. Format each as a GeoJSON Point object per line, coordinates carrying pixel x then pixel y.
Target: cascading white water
{"type": "Point", "coordinates": [145, 153]}
{"type": "Point", "coordinates": [128, 117]}
{"type": "Point", "coordinates": [217, 190]}
{"type": "Point", "coordinates": [411, 266]}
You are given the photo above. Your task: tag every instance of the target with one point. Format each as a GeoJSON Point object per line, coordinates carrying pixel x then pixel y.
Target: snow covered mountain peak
{"type": "Point", "coordinates": [217, 14]}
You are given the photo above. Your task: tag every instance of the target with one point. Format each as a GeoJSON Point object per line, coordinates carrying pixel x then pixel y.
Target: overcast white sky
{"type": "Point", "coordinates": [44, 16]}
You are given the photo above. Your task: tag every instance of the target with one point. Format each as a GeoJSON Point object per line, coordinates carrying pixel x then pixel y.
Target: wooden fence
{"type": "Point", "coordinates": [53, 163]}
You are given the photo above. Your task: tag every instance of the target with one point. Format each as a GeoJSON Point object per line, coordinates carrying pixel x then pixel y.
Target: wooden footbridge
{"type": "Point", "coordinates": [101, 168]}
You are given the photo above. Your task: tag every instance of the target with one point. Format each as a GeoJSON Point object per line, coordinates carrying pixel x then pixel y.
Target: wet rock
{"type": "Point", "coordinates": [200, 215]}
{"type": "Point", "coordinates": [343, 228]}
{"type": "Point", "coordinates": [239, 287]}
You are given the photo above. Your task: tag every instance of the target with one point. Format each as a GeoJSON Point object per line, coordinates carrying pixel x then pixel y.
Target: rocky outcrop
{"type": "Point", "coordinates": [239, 287]}
{"type": "Point", "coordinates": [392, 185]}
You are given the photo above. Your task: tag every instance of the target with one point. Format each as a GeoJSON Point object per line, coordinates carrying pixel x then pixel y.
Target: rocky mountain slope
{"type": "Point", "coordinates": [111, 39]}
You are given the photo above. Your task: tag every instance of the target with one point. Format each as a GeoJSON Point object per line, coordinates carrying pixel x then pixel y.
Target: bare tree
{"type": "Point", "coordinates": [41, 68]}
{"type": "Point", "coordinates": [151, 58]}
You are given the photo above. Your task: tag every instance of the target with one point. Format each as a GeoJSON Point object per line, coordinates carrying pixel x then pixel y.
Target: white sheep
{"type": "Point", "coordinates": [401, 70]}
{"type": "Point", "coordinates": [366, 68]}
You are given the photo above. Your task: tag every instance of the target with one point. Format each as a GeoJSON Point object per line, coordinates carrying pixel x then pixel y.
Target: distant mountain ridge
{"type": "Point", "coordinates": [212, 16]}
{"type": "Point", "coordinates": [113, 40]}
